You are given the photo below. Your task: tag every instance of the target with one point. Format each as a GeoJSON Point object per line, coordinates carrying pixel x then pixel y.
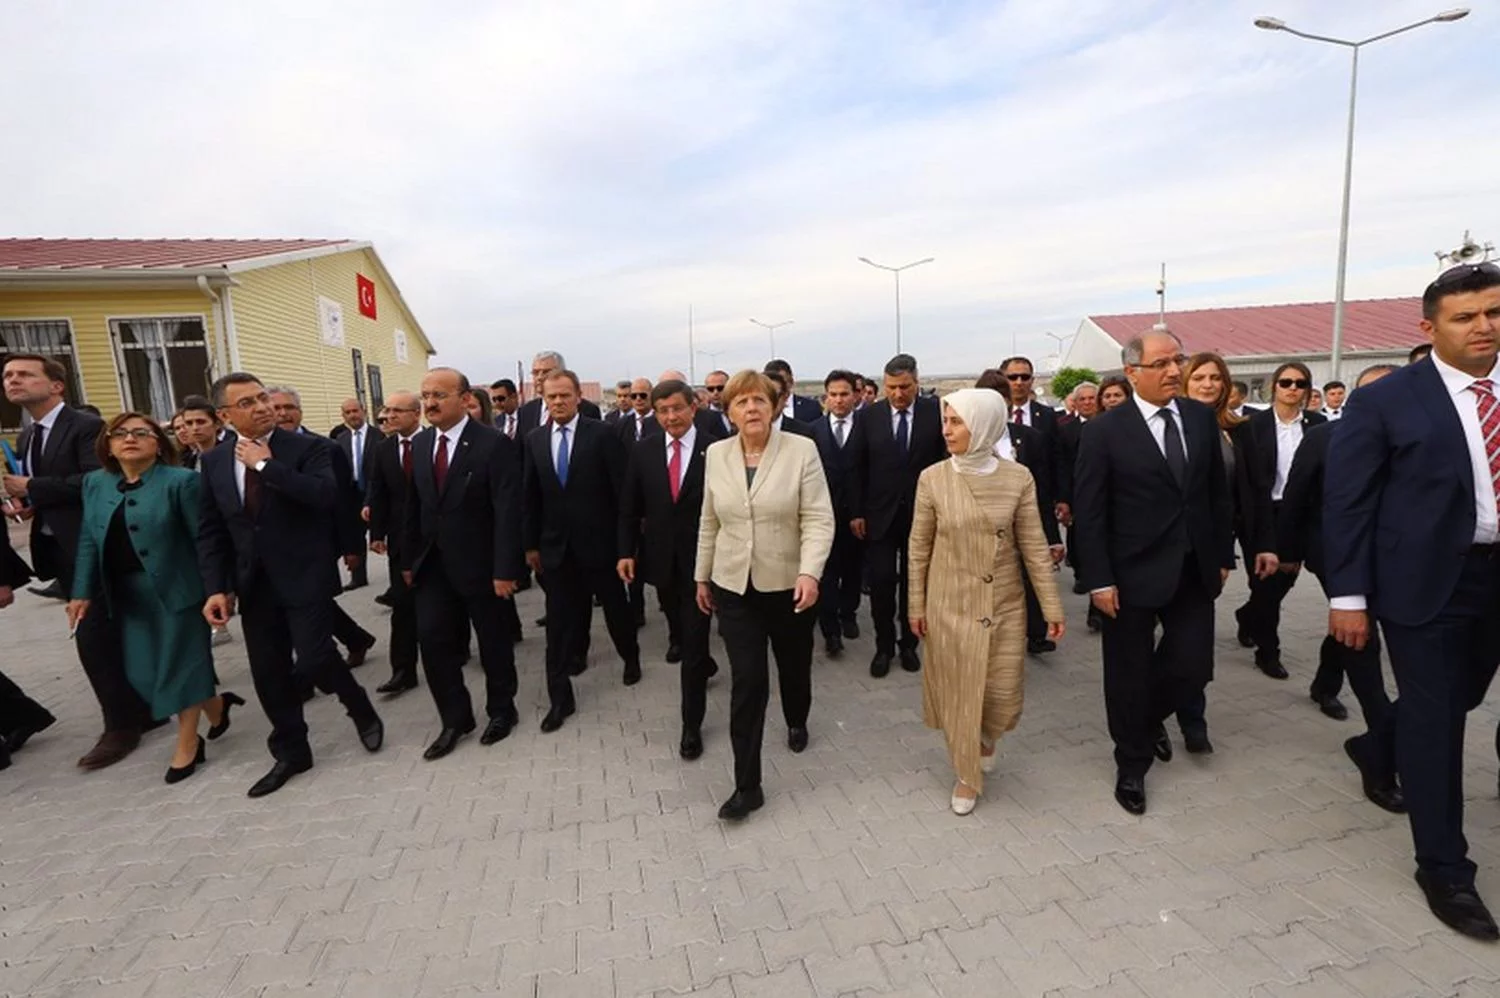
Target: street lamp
{"type": "Point", "coordinates": [771, 328]}
{"type": "Point", "coordinates": [712, 355]}
{"type": "Point", "coordinates": [1276, 24]}
{"type": "Point", "coordinates": [897, 271]}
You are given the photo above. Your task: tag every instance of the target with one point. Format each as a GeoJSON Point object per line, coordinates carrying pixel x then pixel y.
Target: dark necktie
{"type": "Point", "coordinates": [34, 452]}
{"type": "Point", "coordinates": [440, 463]}
{"type": "Point", "coordinates": [406, 458]}
{"type": "Point", "coordinates": [253, 487]}
{"type": "Point", "coordinates": [902, 437]}
{"type": "Point", "coordinates": [1172, 443]}
{"type": "Point", "coordinates": [1018, 415]}
{"type": "Point", "coordinates": [838, 433]}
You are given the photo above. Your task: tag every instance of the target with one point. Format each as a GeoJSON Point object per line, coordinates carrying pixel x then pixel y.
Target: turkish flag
{"type": "Point", "coordinates": [366, 295]}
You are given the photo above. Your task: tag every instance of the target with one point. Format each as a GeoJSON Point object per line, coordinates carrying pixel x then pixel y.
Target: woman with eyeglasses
{"type": "Point", "coordinates": [137, 553]}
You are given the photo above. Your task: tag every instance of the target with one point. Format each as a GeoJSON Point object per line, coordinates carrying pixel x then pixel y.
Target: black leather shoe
{"type": "Point", "coordinates": [358, 652]}
{"type": "Point", "coordinates": [499, 728]}
{"type": "Point", "coordinates": [1459, 908]}
{"type": "Point", "coordinates": [52, 590]}
{"type": "Point", "coordinates": [713, 667]}
{"type": "Point", "coordinates": [632, 673]}
{"type": "Point", "coordinates": [1197, 743]}
{"type": "Point", "coordinates": [386, 599]}
{"type": "Point", "coordinates": [1242, 631]}
{"type": "Point", "coordinates": [446, 741]}
{"type": "Point", "coordinates": [833, 645]}
{"type": "Point", "coordinates": [277, 777]}
{"type": "Point", "coordinates": [1161, 744]}
{"type": "Point", "coordinates": [796, 739]}
{"type": "Point", "coordinates": [741, 804]}
{"type": "Point", "coordinates": [371, 733]}
{"type": "Point", "coordinates": [541, 621]}
{"type": "Point", "coordinates": [1271, 666]}
{"type": "Point", "coordinates": [1331, 706]}
{"type": "Point", "coordinates": [1079, 589]}
{"type": "Point", "coordinates": [356, 584]}
{"type": "Point", "coordinates": [1381, 790]}
{"type": "Point", "coordinates": [1036, 646]}
{"type": "Point", "coordinates": [674, 653]}
{"type": "Point", "coordinates": [555, 718]}
{"type": "Point", "coordinates": [18, 736]}
{"type": "Point", "coordinates": [1130, 793]}
{"type": "Point", "coordinates": [1095, 620]}
{"type": "Point", "coordinates": [880, 664]}
{"type": "Point", "coordinates": [851, 630]}
{"type": "Point", "coordinates": [691, 746]}
{"type": "Point", "coordinates": [398, 684]}
{"type": "Point", "coordinates": [177, 775]}
{"type": "Point", "coordinates": [910, 660]}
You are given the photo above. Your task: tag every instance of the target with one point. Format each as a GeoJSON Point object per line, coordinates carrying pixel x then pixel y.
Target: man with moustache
{"type": "Point", "coordinates": [390, 483]}
{"type": "Point", "coordinates": [266, 548]}
{"type": "Point", "coordinates": [534, 413]}
{"type": "Point", "coordinates": [461, 553]}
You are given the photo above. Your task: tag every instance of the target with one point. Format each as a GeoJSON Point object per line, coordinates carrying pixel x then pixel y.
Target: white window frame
{"type": "Point", "coordinates": [117, 349]}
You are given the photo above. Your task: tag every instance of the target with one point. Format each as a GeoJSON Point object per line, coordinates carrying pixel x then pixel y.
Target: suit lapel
{"type": "Point", "coordinates": [50, 442]}
{"type": "Point", "coordinates": [459, 458]}
{"type": "Point", "coordinates": [767, 461]}
{"type": "Point", "coordinates": [1433, 396]}
{"type": "Point", "coordinates": [1136, 420]}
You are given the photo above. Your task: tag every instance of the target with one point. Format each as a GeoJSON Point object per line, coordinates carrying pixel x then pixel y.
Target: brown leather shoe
{"type": "Point", "coordinates": [110, 749]}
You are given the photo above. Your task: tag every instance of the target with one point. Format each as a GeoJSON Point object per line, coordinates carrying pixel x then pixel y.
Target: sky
{"type": "Point", "coordinates": [582, 176]}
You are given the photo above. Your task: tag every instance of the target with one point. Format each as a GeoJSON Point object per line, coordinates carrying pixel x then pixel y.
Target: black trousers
{"type": "Point", "coordinates": [1443, 669]}
{"type": "Point", "coordinates": [404, 646]}
{"type": "Point", "coordinates": [747, 623]}
{"type": "Point", "coordinates": [444, 618]}
{"type": "Point", "coordinates": [273, 634]}
{"type": "Point", "coordinates": [99, 651]}
{"type": "Point", "coordinates": [1261, 614]}
{"type": "Point", "coordinates": [885, 559]}
{"type": "Point", "coordinates": [1144, 682]}
{"type": "Point", "coordinates": [359, 575]}
{"type": "Point", "coordinates": [839, 589]}
{"type": "Point", "coordinates": [636, 596]}
{"type": "Point", "coordinates": [1036, 624]}
{"type": "Point", "coordinates": [1337, 660]}
{"type": "Point", "coordinates": [689, 628]}
{"type": "Point", "coordinates": [571, 588]}
{"type": "Point", "coordinates": [18, 710]}
{"type": "Point", "coordinates": [346, 630]}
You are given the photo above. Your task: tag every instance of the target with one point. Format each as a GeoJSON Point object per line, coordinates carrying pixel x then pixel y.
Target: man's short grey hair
{"type": "Point", "coordinates": [1135, 348]}
{"type": "Point", "coordinates": [285, 390]}
{"type": "Point", "coordinates": [1083, 384]}
{"type": "Point", "coordinates": [902, 363]}
{"type": "Point", "coordinates": [1375, 369]}
{"type": "Point", "coordinates": [552, 355]}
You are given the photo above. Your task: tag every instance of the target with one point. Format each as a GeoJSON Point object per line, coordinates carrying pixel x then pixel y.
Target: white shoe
{"type": "Point", "coordinates": [987, 762]}
{"type": "Point", "coordinates": [963, 805]}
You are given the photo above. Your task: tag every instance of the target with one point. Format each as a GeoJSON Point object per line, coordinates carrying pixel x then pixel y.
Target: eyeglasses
{"type": "Point", "coordinates": [1165, 362]}
{"type": "Point", "coordinates": [1018, 376]}
{"type": "Point", "coordinates": [405, 408]}
{"type": "Point", "coordinates": [640, 395]}
{"type": "Point", "coordinates": [1454, 275]}
{"type": "Point", "coordinates": [713, 388]}
{"type": "Point", "coordinates": [139, 433]}
{"type": "Point", "coordinates": [435, 396]}
{"type": "Point", "coordinates": [246, 404]}
{"type": "Point", "coordinates": [1291, 382]}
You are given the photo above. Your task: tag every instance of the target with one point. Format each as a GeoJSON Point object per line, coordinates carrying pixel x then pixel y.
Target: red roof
{"type": "Point", "coordinates": [151, 254]}
{"type": "Point", "coordinates": [1281, 330]}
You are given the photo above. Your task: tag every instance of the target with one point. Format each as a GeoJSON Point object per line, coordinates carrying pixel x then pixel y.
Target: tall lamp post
{"type": "Point", "coordinates": [771, 328]}
{"type": "Point", "coordinates": [1276, 24]}
{"type": "Point", "coordinates": [897, 272]}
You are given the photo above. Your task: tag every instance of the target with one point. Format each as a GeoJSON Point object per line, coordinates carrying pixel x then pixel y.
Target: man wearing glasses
{"type": "Point", "coordinates": [1277, 432]}
{"type": "Point", "coordinates": [639, 421]}
{"type": "Point", "coordinates": [714, 385]}
{"type": "Point", "coordinates": [1151, 507]}
{"type": "Point", "coordinates": [534, 413]}
{"type": "Point", "coordinates": [504, 399]}
{"type": "Point", "coordinates": [1027, 411]}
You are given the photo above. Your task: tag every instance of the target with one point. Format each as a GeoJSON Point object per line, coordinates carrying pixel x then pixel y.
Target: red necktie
{"type": "Point", "coordinates": [1016, 416]}
{"type": "Point", "coordinates": [251, 500]}
{"type": "Point", "coordinates": [406, 458]}
{"type": "Point", "coordinates": [1489, 427]}
{"type": "Point", "coordinates": [440, 463]}
{"type": "Point", "coordinates": [674, 469]}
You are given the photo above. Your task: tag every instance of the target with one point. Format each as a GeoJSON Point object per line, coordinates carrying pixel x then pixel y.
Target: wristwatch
{"type": "Point", "coordinates": [260, 465]}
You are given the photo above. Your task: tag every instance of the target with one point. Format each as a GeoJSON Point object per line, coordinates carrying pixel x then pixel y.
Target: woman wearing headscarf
{"type": "Point", "coordinates": [974, 526]}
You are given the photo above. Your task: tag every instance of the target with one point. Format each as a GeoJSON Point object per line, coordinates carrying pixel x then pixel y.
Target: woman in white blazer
{"type": "Point", "coordinates": [765, 532]}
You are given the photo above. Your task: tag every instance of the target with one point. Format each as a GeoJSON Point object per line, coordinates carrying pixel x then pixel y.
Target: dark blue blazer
{"type": "Point", "coordinates": [883, 487]}
{"type": "Point", "coordinates": [1398, 497]}
{"type": "Point", "coordinates": [806, 410]}
{"type": "Point", "coordinates": [583, 517]}
{"type": "Point", "coordinates": [838, 466]}
{"type": "Point", "coordinates": [291, 544]}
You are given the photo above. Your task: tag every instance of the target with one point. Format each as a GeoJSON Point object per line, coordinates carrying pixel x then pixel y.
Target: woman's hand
{"type": "Point", "coordinates": [805, 592]}
{"type": "Point", "coordinates": [918, 626]}
{"type": "Point", "coordinates": [1055, 630]}
{"type": "Point", "coordinates": [705, 599]}
{"type": "Point", "coordinates": [77, 610]}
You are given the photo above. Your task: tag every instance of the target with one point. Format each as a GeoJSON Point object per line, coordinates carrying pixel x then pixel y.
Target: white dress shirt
{"type": "Point", "coordinates": [687, 439]}
{"type": "Point", "coordinates": [1333, 413]}
{"type": "Point", "coordinates": [1005, 448]}
{"type": "Point", "coordinates": [790, 411]}
{"type": "Point", "coordinates": [1151, 413]}
{"type": "Point", "coordinates": [508, 424]}
{"type": "Point", "coordinates": [1025, 408]}
{"type": "Point", "coordinates": [452, 434]}
{"type": "Point", "coordinates": [239, 468]}
{"type": "Point", "coordinates": [847, 422]}
{"type": "Point", "coordinates": [640, 423]}
{"type": "Point", "coordinates": [572, 428]}
{"type": "Point", "coordinates": [1288, 439]}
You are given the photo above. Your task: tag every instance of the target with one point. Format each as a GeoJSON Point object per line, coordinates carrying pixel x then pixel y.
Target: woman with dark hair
{"type": "Point", "coordinates": [137, 549]}
{"type": "Point", "coordinates": [1114, 390]}
{"type": "Point", "coordinates": [481, 410]}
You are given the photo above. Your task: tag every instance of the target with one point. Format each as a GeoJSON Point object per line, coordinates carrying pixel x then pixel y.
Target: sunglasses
{"type": "Point", "coordinates": [1019, 376]}
{"type": "Point", "coordinates": [1292, 382]}
{"type": "Point", "coordinates": [640, 395]}
{"type": "Point", "coordinates": [713, 388]}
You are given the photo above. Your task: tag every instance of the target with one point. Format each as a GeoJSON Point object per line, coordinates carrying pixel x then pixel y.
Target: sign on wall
{"type": "Point", "coordinates": [366, 288]}
{"type": "Point", "coordinates": [400, 347]}
{"type": "Point", "coordinates": [331, 321]}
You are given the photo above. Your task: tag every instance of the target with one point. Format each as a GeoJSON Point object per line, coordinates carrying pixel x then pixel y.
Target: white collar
{"type": "Point", "coordinates": [1149, 409]}
{"type": "Point", "coordinates": [1454, 380]}
{"type": "Point", "coordinates": [687, 439]}
{"type": "Point", "coordinates": [571, 426]}
{"type": "Point", "coordinates": [456, 430]}
{"type": "Point", "coordinates": [46, 421]}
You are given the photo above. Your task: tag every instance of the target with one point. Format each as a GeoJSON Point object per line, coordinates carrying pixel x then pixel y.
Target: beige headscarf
{"type": "Point", "coordinates": [983, 412]}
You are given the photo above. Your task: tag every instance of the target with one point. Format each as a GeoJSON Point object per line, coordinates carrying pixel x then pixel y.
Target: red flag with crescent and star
{"type": "Point", "coordinates": [366, 295]}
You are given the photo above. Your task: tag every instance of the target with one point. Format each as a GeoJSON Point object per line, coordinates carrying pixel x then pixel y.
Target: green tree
{"type": "Point", "coordinates": [1068, 378]}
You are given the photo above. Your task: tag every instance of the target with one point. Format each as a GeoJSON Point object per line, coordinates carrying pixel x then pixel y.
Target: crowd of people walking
{"type": "Point", "coordinates": [777, 514]}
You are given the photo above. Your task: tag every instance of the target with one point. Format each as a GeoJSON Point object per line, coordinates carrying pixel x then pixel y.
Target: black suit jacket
{"type": "Point", "coordinates": [1127, 506]}
{"type": "Point", "coordinates": [838, 466]}
{"type": "Point", "coordinates": [291, 544]}
{"type": "Point", "coordinates": [624, 428]}
{"type": "Point", "coordinates": [13, 570]}
{"type": "Point", "coordinates": [884, 484]}
{"type": "Point", "coordinates": [806, 410]}
{"type": "Point", "coordinates": [387, 495]}
{"type": "Point", "coordinates": [1069, 437]}
{"type": "Point", "coordinates": [1044, 423]}
{"type": "Point", "coordinates": [582, 518]}
{"type": "Point", "coordinates": [56, 487]}
{"type": "Point", "coordinates": [1029, 450]}
{"type": "Point", "coordinates": [660, 534]}
{"type": "Point", "coordinates": [348, 526]}
{"type": "Point", "coordinates": [1299, 531]}
{"type": "Point", "coordinates": [534, 414]}
{"type": "Point", "coordinates": [1254, 520]}
{"type": "Point", "coordinates": [373, 437]}
{"type": "Point", "coordinates": [796, 427]}
{"type": "Point", "coordinates": [1263, 428]}
{"type": "Point", "coordinates": [473, 524]}
{"type": "Point", "coordinates": [613, 416]}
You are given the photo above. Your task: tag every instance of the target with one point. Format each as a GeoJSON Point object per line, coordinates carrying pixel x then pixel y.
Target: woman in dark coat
{"type": "Point", "coordinates": [137, 550]}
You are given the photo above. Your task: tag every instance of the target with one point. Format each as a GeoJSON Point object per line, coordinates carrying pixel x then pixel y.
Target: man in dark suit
{"type": "Point", "coordinates": [784, 422]}
{"type": "Point", "coordinates": [461, 553]}
{"type": "Point", "coordinates": [1026, 410]}
{"type": "Point", "coordinates": [1278, 432]}
{"type": "Point", "coordinates": [713, 384]}
{"type": "Point", "coordinates": [574, 470]}
{"type": "Point", "coordinates": [56, 451]}
{"type": "Point", "coordinates": [622, 402]}
{"type": "Point", "coordinates": [793, 406]}
{"type": "Point", "coordinates": [894, 441]}
{"type": "Point", "coordinates": [1151, 506]}
{"type": "Point", "coordinates": [658, 542]}
{"type": "Point", "coordinates": [839, 589]}
{"type": "Point", "coordinates": [358, 445]}
{"type": "Point", "coordinates": [266, 544]}
{"type": "Point", "coordinates": [708, 422]}
{"type": "Point", "coordinates": [20, 716]}
{"type": "Point", "coordinates": [1299, 529]}
{"type": "Point", "coordinates": [1069, 437]}
{"type": "Point", "coordinates": [1410, 536]}
{"type": "Point", "coordinates": [635, 424]}
{"type": "Point", "coordinates": [390, 482]}
{"type": "Point", "coordinates": [505, 400]}
{"type": "Point", "coordinates": [534, 413]}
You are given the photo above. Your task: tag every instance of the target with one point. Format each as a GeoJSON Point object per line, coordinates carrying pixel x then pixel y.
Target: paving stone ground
{"type": "Point", "coordinates": [591, 862]}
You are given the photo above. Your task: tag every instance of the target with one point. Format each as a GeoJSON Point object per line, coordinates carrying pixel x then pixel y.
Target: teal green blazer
{"type": "Point", "coordinates": [162, 519]}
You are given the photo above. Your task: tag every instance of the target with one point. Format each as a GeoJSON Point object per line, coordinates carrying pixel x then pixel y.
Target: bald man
{"type": "Point", "coordinates": [358, 445]}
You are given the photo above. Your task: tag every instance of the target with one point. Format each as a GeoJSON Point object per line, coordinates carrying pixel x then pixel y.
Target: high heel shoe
{"type": "Point", "coordinates": [175, 775]}
{"type": "Point", "coordinates": [230, 699]}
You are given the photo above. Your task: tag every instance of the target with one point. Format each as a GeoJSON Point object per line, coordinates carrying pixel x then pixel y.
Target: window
{"type": "Point", "coordinates": [359, 378]}
{"type": "Point", "coordinates": [377, 387]}
{"type": "Point", "coordinates": [50, 338]}
{"type": "Point", "coordinates": [161, 362]}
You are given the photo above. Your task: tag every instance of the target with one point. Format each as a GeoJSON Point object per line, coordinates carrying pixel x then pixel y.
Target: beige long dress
{"type": "Point", "coordinates": [969, 537]}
